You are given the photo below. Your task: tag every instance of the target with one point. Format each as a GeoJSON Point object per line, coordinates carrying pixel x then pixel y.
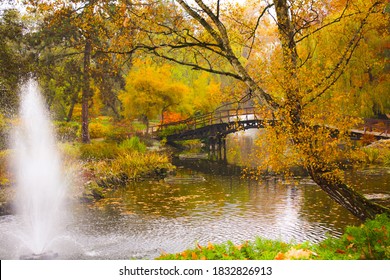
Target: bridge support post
{"type": "Point", "coordinates": [224, 149]}
{"type": "Point", "coordinates": [212, 142]}
{"type": "Point", "coordinates": [219, 148]}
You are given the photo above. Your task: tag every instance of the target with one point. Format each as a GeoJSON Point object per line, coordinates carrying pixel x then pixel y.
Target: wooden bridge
{"type": "Point", "coordinates": [223, 122]}
{"type": "Point", "coordinates": [216, 124]}
{"type": "Point", "coordinates": [214, 127]}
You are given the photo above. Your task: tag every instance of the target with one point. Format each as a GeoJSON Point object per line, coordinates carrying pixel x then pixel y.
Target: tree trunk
{"type": "Point", "coordinates": [86, 92]}
{"type": "Point", "coordinates": [329, 182]}
{"type": "Point", "coordinates": [346, 196]}
{"type": "Point", "coordinates": [72, 104]}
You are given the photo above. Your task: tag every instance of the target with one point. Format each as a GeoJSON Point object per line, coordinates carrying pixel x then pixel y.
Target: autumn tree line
{"type": "Point", "coordinates": [313, 65]}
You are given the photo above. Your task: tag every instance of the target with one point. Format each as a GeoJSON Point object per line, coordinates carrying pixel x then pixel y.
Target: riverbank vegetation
{"type": "Point", "coordinates": [106, 164]}
{"type": "Point", "coordinates": [377, 153]}
{"type": "Point", "coordinates": [370, 241]}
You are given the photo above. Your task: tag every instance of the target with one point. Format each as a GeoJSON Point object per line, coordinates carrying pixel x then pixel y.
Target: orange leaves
{"type": "Point", "coordinates": [280, 256]}
{"type": "Point", "coordinates": [350, 238]}
{"type": "Point", "coordinates": [170, 117]}
{"type": "Point", "coordinates": [294, 254]}
{"type": "Point", "coordinates": [210, 246]}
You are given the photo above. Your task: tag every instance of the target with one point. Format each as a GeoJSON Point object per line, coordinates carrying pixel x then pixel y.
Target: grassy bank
{"type": "Point", "coordinates": [369, 241]}
{"type": "Point", "coordinates": [108, 164]}
{"type": "Point", "coordinates": [377, 153]}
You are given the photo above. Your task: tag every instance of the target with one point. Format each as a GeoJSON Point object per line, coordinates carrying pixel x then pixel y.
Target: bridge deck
{"type": "Point", "coordinates": [223, 122]}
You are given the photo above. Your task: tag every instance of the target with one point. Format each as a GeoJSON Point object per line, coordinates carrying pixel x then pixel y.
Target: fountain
{"type": "Point", "coordinates": [40, 186]}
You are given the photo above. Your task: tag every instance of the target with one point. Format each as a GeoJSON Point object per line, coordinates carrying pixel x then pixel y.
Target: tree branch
{"type": "Point", "coordinates": [341, 65]}
{"type": "Point", "coordinates": [253, 33]}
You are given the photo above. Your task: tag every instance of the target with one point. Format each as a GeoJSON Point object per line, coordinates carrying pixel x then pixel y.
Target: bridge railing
{"type": "Point", "coordinates": [377, 127]}
{"type": "Point", "coordinates": [220, 116]}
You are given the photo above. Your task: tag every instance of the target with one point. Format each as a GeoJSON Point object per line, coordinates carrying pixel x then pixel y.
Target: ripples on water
{"type": "Point", "coordinates": [149, 218]}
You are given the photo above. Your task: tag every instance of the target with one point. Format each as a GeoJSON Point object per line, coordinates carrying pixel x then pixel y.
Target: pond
{"type": "Point", "coordinates": [204, 202]}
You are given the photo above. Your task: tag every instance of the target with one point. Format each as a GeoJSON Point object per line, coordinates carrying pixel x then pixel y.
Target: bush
{"type": "Point", "coordinates": [386, 159]}
{"type": "Point", "coordinates": [118, 133]}
{"type": "Point", "coordinates": [371, 154]}
{"type": "Point", "coordinates": [67, 131]}
{"type": "Point", "coordinates": [135, 164]}
{"type": "Point", "coordinates": [97, 130]}
{"type": "Point", "coordinates": [98, 151]}
{"type": "Point", "coordinates": [69, 150]}
{"type": "Point", "coordinates": [369, 241]}
{"type": "Point", "coordinates": [132, 144]}
{"type": "Point", "coordinates": [260, 249]}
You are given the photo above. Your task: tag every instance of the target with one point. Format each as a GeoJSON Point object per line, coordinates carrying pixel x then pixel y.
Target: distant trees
{"type": "Point", "coordinates": [151, 91]}
{"type": "Point", "coordinates": [15, 59]}
{"type": "Point", "coordinates": [154, 89]}
{"type": "Point", "coordinates": [80, 42]}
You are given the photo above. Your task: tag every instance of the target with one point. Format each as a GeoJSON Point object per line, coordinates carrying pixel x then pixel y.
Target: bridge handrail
{"type": "Point", "coordinates": [210, 118]}
{"type": "Point", "coordinates": [240, 114]}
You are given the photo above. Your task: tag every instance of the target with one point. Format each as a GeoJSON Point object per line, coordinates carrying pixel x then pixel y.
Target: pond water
{"type": "Point", "coordinates": [146, 219]}
{"type": "Point", "coordinates": [204, 202]}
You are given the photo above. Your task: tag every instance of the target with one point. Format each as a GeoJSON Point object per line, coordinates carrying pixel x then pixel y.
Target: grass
{"type": "Point", "coordinates": [110, 165]}
{"type": "Point", "coordinates": [98, 151]}
{"type": "Point", "coordinates": [133, 165]}
{"type": "Point", "coordinates": [132, 144]}
{"type": "Point", "coordinates": [371, 155]}
{"type": "Point", "coordinates": [377, 153]}
{"type": "Point", "coordinates": [369, 241]}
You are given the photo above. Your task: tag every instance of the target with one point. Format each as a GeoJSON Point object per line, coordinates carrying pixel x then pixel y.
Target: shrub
{"type": "Point", "coordinates": [260, 249]}
{"type": "Point", "coordinates": [67, 131]}
{"type": "Point", "coordinates": [369, 241]}
{"type": "Point", "coordinates": [135, 164]}
{"type": "Point", "coordinates": [133, 144]}
{"type": "Point", "coordinates": [98, 151]}
{"type": "Point", "coordinates": [386, 159]}
{"type": "Point", "coordinates": [118, 133]}
{"type": "Point", "coordinates": [371, 154]}
{"type": "Point", "coordinates": [97, 130]}
{"type": "Point", "coordinates": [69, 150]}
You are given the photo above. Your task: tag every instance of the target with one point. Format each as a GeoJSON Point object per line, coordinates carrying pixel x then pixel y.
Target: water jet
{"type": "Point", "coordinates": [40, 186]}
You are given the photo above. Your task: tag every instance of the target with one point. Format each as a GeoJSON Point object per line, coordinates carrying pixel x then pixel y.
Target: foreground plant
{"type": "Point", "coordinates": [368, 241]}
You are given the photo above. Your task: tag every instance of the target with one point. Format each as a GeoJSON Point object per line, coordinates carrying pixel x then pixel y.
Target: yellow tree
{"type": "Point", "coordinates": [150, 91]}
{"type": "Point", "coordinates": [225, 39]}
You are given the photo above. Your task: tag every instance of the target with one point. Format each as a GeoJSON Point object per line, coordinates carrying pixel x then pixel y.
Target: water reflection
{"type": "Point", "coordinates": [148, 218]}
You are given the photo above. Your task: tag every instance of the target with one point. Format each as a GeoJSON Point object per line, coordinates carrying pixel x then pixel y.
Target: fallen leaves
{"type": "Point", "coordinates": [295, 254]}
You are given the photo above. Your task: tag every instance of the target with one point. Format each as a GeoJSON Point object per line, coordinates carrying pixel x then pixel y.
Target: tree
{"type": "Point", "coordinates": [14, 57]}
{"type": "Point", "coordinates": [293, 92]}
{"type": "Point", "coordinates": [90, 31]}
{"type": "Point", "coordinates": [151, 91]}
